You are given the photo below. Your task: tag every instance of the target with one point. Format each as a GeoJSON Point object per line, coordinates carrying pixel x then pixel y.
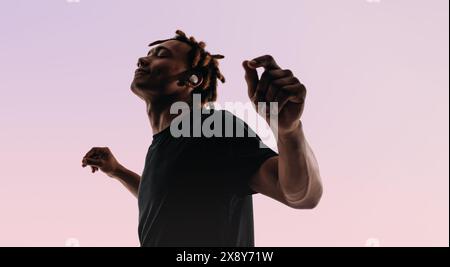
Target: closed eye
{"type": "Point", "coordinates": [160, 52]}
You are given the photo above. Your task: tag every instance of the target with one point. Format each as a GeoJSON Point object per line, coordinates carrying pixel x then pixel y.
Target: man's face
{"type": "Point", "coordinates": [156, 72]}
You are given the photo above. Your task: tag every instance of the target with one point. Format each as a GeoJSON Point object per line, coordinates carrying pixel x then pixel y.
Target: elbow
{"type": "Point", "coordinates": [312, 203]}
{"type": "Point", "coordinates": [309, 201]}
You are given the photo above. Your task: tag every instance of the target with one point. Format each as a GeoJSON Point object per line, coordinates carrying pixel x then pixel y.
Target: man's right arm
{"type": "Point", "coordinates": [128, 178]}
{"type": "Point", "coordinates": [101, 158]}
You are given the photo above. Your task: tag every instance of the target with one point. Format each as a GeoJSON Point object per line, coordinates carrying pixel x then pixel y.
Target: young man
{"type": "Point", "coordinates": [197, 190]}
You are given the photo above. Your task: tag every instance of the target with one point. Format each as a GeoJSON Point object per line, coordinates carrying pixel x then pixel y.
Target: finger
{"type": "Point", "coordinates": [266, 61]}
{"type": "Point", "coordinates": [279, 73]}
{"type": "Point", "coordinates": [271, 93]}
{"type": "Point", "coordinates": [297, 91]}
{"type": "Point", "coordinates": [93, 162]}
{"type": "Point", "coordinates": [278, 83]}
{"type": "Point", "coordinates": [92, 151]}
{"type": "Point", "coordinates": [285, 81]}
{"type": "Point", "coordinates": [89, 153]}
{"type": "Point", "coordinates": [263, 86]}
{"type": "Point", "coordinates": [282, 98]}
{"type": "Point", "coordinates": [104, 153]}
{"type": "Point", "coordinates": [98, 153]}
{"type": "Point", "coordinates": [251, 77]}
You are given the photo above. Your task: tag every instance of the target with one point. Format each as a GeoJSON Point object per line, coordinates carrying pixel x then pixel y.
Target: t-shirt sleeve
{"type": "Point", "coordinates": [247, 153]}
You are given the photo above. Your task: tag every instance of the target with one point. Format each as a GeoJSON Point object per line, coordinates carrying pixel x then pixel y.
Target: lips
{"type": "Point", "coordinates": [142, 71]}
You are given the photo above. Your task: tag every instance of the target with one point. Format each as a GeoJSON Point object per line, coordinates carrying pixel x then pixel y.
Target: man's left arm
{"type": "Point", "coordinates": [293, 177]}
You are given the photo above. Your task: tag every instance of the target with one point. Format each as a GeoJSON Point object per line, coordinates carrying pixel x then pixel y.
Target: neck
{"type": "Point", "coordinates": [159, 115]}
{"type": "Point", "coordinates": [158, 112]}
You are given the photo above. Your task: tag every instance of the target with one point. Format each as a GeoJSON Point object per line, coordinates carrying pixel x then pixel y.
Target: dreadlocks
{"type": "Point", "coordinates": [202, 63]}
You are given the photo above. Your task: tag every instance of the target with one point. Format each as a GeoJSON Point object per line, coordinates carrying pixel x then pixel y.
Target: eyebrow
{"type": "Point", "coordinates": [159, 48]}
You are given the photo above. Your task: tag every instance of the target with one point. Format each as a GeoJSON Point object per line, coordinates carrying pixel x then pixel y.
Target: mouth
{"type": "Point", "coordinates": [142, 71]}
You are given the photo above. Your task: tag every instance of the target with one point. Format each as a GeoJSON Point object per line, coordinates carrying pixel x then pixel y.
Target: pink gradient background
{"type": "Point", "coordinates": [376, 115]}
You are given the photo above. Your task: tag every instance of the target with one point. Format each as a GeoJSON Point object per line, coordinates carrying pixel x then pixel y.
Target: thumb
{"type": "Point", "coordinates": [251, 77]}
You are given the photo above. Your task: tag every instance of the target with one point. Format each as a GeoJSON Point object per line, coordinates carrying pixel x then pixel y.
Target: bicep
{"type": "Point", "coordinates": [265, 180]}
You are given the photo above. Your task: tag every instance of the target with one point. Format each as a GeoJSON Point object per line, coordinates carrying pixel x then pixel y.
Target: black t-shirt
{"type": "Point", "coordinates": [195, 191]}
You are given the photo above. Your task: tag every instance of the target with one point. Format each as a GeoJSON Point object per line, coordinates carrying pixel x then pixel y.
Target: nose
{"type": "Point", "coordinates": [142, 62]}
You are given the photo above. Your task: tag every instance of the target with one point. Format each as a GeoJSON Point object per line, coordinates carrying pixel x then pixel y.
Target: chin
{"type": "Point", "coordinates": [137, 87]}
{"type": "Point", "coordinates": [143, 90]}
{"type": "Point", "coordinates": [140, 84]}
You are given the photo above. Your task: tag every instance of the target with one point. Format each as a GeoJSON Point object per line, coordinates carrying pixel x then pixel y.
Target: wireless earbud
{"type": "Point", "coordinates": [193, 79]}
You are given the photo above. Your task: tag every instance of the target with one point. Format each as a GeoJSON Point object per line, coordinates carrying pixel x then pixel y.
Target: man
{"type": "Point", "coordinates": [197, 191]}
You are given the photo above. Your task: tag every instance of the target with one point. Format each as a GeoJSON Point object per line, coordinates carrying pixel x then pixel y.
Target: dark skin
{"type": "Point", "coordinates": [291, 178]}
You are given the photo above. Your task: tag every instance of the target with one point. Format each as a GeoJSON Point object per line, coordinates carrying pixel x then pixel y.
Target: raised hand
{"type": "Point", "coordinates": [276, 85]}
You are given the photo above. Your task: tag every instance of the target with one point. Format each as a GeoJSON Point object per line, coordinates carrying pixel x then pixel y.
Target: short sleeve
{"type": "Point", "coordinates": [247, 153]}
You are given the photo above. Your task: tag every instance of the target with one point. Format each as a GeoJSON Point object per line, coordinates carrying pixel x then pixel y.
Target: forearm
{"type": "Point", "coordinates": [298, 170]}
{"type": "Point", "coordinates": [128, 178]}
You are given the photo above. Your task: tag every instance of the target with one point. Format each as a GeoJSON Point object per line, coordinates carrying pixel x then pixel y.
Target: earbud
{"type": "Point", "coordinates": [193, 79]}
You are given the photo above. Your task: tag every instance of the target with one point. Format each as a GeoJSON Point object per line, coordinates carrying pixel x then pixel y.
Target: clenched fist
{"type": "Point", "coordinates": [276, 85]}
{"type": "Point", "coordinates": [101, 158]}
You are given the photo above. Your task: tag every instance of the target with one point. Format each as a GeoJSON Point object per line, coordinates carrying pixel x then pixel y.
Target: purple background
{"type": "Point", "coordinates": [376, 115]}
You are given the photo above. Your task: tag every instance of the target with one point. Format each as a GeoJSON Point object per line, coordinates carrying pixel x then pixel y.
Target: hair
{"type": "Point", "coordinates": [203, 64]}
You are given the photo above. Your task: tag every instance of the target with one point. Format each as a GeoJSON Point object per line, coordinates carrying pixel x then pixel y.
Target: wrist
{"type": "Point", "coordinates": [117, 172]}
{"type": "Point", "coordinates": [292, 132]}
{"type": "Point", "coordinates": [292, 139]}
